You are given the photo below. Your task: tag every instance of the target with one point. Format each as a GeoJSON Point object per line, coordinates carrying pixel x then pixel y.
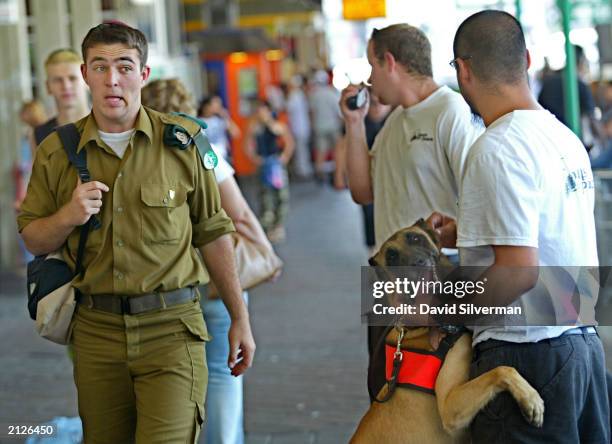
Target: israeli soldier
{"type": "Point", "coordinates": [138, 330]}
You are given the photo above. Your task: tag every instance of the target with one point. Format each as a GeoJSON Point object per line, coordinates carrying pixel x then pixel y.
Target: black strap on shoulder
{"type": "Point", "coordinates": [448, 342]}
{"type": "Point", "coordinates": [70, 137]}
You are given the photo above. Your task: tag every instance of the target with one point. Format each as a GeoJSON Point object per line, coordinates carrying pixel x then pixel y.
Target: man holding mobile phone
{"type": "Point", "coordinates": [417, 159]}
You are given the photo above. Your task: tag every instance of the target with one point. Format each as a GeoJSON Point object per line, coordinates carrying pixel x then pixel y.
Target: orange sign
{"type": "Point", "coordinates": [363, 9]}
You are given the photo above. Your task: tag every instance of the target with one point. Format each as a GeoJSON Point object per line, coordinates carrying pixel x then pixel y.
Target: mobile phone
{"type": "Point", "coordinates": [358, 100]}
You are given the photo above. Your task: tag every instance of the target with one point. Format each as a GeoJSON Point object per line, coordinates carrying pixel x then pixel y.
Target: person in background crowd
{"type": "Point", "coordinates": [604, 159]}
{"type": "Point", "coordinates": [32, 114]}
{"type": "Point", "coordinates": [224, 397]}
{"type": "Point", "coordinates": [374, 121]}
{"type": "Point", "coordinates": [299, 122]}
{"type": "Point", "coordinates": [552, 98]}
{"type": "Point", "coordinates": [417, 160]}
{"type": "Point", "coordinates": [326, 120]}
{"type": "Point", "coordinates": [269, 145]}
{"type": "Point", "coordinates": [526, 205]}
{"type": "Point", "coordinates": [219, 124]}
{"type": "Point", "coordinates": [65, 83]}
{"type": "Point", "coordinates": [275, 97]}
{"type": "Point", "coordinates": [138, 331]}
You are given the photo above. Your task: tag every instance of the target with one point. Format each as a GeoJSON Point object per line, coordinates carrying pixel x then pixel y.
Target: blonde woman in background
{"type": "Point", "coordinates": [32, 114]}
{"type": "Point", "coordinates": [224, 399]}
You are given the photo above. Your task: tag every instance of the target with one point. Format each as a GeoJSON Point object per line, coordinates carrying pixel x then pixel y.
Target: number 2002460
{"type": "Point", "coordinates": [47, 430]}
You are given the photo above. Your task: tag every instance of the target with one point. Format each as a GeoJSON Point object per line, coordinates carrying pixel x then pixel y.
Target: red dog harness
{"type": "Point", "coordinates": [414, 368]}
{"type": "Point", "coordinates": [417, 369]}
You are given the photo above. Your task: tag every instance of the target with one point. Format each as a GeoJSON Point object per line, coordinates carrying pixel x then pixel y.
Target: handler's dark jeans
{"type": "Point", "coordinates": [569, 374]}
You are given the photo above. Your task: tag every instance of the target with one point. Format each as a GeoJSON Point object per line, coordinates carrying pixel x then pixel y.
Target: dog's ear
{"type": "Point", "coordinates": [427, 229]}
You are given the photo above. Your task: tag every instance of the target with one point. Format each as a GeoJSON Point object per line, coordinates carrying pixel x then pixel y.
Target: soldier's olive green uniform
{"type": "Point", "coordinates": [139, 377]}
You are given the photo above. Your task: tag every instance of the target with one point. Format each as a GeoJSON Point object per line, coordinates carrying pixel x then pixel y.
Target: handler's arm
{"type": "Point", "coordinates": [357, 156]}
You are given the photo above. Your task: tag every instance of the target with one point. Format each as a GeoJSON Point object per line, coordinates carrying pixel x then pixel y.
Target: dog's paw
{"type": "Point", "coordinates": [529, 400]}
{"type": "Point", "coordinates": [533, 409]}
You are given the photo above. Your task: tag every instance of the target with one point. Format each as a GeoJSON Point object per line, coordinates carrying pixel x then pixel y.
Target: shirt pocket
{"type": "Point", "coordinates": [164, 213]}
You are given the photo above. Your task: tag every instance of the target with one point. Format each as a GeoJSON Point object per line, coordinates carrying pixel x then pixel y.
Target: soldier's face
{"type": "Point", "coordinates": [115, 78]}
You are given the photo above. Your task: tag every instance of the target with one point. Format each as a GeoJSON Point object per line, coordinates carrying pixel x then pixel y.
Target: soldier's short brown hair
{"type": "Point", "coordinates": [112, 32]}
{"type": "Point", "coordinates": [408, 45]}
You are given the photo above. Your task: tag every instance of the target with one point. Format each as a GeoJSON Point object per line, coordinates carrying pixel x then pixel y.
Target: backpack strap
{"type": "Point", "coordinates": [70, 137]}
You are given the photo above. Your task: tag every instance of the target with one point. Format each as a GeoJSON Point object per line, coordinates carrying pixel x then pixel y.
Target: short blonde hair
{"type": "Point", "coordinates": [33, 113]}
{"type": "Point", "coordinates": [63, 55]}
{"type": "Point", "coordinates": [168, 95]}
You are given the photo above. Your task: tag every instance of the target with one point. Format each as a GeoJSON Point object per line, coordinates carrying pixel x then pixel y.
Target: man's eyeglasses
{"type": "Point", "coordinates": [453, 62]}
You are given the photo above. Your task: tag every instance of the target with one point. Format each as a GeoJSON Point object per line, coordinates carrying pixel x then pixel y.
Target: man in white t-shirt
{"type": "Point", "coordinates": [526, 201]}
{"type": "Point", "coordinates": [326, 122]}
{"type": "Point", "coordinates": [418, 156]}
{"type": "Point", "coordinates": [299, 122]}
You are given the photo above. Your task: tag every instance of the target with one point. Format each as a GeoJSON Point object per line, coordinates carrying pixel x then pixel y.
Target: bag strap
{"type": "Point", "coordinates": [70, 137]}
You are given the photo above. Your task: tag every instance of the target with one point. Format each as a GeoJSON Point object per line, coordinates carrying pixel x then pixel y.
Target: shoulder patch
{"type": "Point", "coordinates": [173, 119]}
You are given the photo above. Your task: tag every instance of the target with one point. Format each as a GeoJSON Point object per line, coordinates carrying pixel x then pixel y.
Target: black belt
{"type": "Point", "coordinates": [132, 305]}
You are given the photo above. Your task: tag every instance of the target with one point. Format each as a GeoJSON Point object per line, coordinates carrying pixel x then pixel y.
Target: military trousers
{"type": "Point", "coordinates": [140, 378]}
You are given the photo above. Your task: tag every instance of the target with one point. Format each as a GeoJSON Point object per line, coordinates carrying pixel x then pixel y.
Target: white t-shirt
{"type": "Point", "coordinates": [118, 142]}
{"type": "Point", "coordinates": [516, 190]}
{"type": "Point", "coordinates": [417, 161]}
{"type": "Point", "coordinates": [216, 131]}
{"type": "Point", "coordinates": [223, 170]}
{"type": "Point", "coordinates": [297, 110]}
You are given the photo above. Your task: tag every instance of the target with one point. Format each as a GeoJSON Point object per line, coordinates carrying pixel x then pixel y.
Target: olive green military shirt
{"type": "Point", "coordinates": [162, 204]}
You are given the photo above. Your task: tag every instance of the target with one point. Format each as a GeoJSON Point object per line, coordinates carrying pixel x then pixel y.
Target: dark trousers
{"type": "Point", "coordinates": [568, 372]}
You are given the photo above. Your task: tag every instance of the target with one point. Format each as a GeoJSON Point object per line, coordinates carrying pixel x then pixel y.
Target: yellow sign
{"type": "Point", "coordinates": [363, 9]}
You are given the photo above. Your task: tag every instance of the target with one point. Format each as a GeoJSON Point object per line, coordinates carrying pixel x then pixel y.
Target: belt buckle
{"type": "Point", "coordinates": [125, 305]}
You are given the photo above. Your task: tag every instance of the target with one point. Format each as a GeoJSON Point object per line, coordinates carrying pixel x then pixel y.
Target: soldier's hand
{"type": "Point", "coordinates": [86, 200]}
{"type": "Point", "coordinates": [357, 115]}
{"type": "Point", "coordinates": [242, 347]}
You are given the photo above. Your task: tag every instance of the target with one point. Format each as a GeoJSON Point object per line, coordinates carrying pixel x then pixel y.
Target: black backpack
{"type": "Point", "coordinates": [44, 274]}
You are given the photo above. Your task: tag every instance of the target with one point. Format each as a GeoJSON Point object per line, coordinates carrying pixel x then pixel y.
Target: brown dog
{"type": "Point", "coordinates": [412, 416]}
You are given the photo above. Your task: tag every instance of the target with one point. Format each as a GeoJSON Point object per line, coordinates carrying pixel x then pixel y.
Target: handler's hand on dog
{"type": "Point", "coordinates": [242, 347]}
{"type": "Point", "coordinates": [445, 227]}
